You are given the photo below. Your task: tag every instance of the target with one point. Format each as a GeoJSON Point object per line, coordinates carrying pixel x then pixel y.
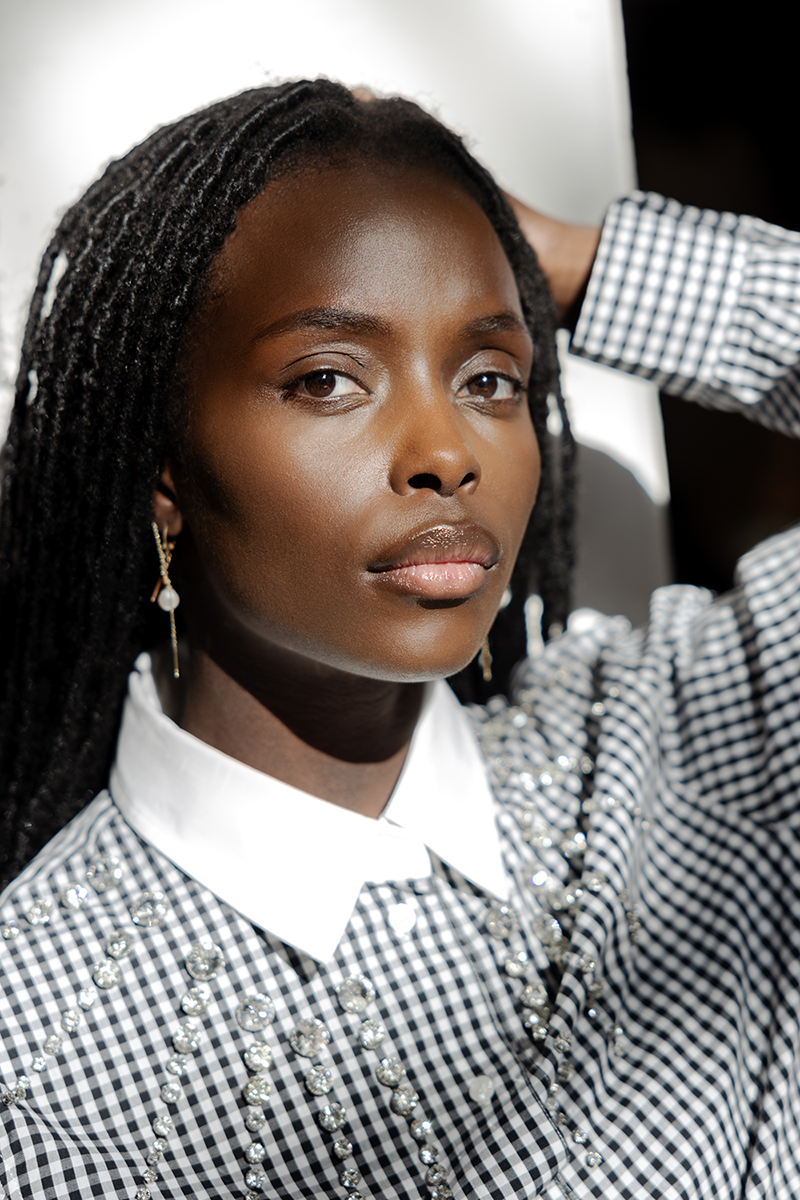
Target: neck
{"type": "Point", "coordinates": [337, 736]}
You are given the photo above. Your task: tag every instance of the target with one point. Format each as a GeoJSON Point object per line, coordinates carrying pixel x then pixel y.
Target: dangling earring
{"type": "Point", "coordinates": [164, 592]}
{"type": "Point", "coordinates": [485, 660]}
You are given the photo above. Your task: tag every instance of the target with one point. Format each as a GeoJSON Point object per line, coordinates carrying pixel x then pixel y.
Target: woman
{"type": "Point", "coordinates": [283, 376]}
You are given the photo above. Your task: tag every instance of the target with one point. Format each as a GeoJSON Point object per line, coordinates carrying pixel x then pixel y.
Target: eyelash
{"type": "Point", "coordinates": [293, 389]}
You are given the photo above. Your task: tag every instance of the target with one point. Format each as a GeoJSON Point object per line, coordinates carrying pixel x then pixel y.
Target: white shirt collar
{"type": "Point", "coordinates": [291, 863]}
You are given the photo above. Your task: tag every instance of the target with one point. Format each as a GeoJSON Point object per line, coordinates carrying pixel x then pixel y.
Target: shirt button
{"type": "Point", "coordinates": [481, 1089]}
{"type": "Point", "coordinates": [402, 918]}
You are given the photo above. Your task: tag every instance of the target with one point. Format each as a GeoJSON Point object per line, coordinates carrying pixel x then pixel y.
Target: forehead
{"type": "Point", "coordinates": [387, 237]}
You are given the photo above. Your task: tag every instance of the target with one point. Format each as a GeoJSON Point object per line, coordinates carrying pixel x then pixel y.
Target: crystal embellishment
{"type": "Point", "coordinates": [171, 1092]}
{"type": "Point", "coordinates": [342, 1148]}
{"type": "Point", "coordinates": [70, 1020]}
{"type": "Point", "coordinates": [39, 1063]}
{"type": "Point", "coordinates": [257, 1091]}
{"type": "Point", "coordinates": [534, 995]}
{"type": "Point", "coordinates": [255, 1153]}
{"type": "Point", "coordinates": [547, 929]}
{"type": "Point", "coordinates": [255, 1120]}
{"type": "Point", "coordinates": [501, 922]}
{"type": "Point", "coordinates": [188, 1037]}
{"type": "Point", "coordinates": [149, 909]}
{"type": "Point", "coordinates": [421, 1129]}
{"type": "Point", "coordinates": [256, 1179]}
{"type": "Point", "coordinates": [103, 873]}
{"type": "Point", "coordinates": [390, 1072]}
{"type": "Point", "coordinates": [309, 1037]}
{"type": "Point", "coordinates": [107, 974]}
{"type": "Point", "coordinates": [371, 1034]}
{"type": "Point", "coordinates": [349, 1178]}
{"type": "Point", "coordinates": [163, 1126]}
{"type": "Point", "coordinates": [258, 1057]}
{"type": "Point", "coordinates": [205, 960]}
{"type": "Point", "coordinates": [119, 944]}
{"type": "Point", "coordinates": [40, 912]}
{"type": "Point", "coordinates": [195, 1002]}
{"type": "Point", "coordinates": [53, 1044]}
{"type": "Point", "coordinates": [177, 1064]}
{"type": "Point", "coordinates": [86, 998]}
{"type": "Point", "coordinates": [74, 896]}
{"type": "Point", "coordinates": [9, 930]}
{"type": "Point", "coordinates": [332, 1117]}
{"type": "Point", "coordinates": [355, 994]}
{"type": "Point", "coordinates": [319, 1081]}
{"type": "Point", "coordinates": [404, 1100]}
{"type": "Point", "coordinates": [255, 1013]}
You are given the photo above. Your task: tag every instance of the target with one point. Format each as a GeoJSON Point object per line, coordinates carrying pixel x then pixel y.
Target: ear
{"type": "Point", "coordinates": [166, 510]}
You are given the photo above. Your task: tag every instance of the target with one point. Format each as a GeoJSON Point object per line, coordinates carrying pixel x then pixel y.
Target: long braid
{"type": "Point", "coordinates": [96, 394]}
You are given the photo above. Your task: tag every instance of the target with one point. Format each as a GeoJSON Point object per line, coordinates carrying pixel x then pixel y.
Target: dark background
{"type": "Point", "coordinates": [714, 96]}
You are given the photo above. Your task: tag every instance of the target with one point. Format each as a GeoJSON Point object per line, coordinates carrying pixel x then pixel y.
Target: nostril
{"type": "Point", "coordinates": [426, 481]}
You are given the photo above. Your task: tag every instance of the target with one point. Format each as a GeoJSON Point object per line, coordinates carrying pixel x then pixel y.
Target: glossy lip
{"type": "Point", "coordinates": [441, 562]}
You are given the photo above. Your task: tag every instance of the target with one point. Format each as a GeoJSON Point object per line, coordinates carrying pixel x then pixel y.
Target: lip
{"type": "Point", "coordinates": [440, 562]}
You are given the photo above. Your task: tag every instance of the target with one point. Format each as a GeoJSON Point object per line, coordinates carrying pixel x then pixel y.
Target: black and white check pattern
{"type": "Point", "coordinates": [686, 1077]}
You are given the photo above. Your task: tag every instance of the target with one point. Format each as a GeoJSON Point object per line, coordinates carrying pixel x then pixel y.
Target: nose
{"type": "Point", "coordinates": [433, 449]}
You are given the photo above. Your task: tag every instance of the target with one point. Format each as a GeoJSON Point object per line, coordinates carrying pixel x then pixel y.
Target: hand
{"type": "Point", "coordinates": [565, 251]}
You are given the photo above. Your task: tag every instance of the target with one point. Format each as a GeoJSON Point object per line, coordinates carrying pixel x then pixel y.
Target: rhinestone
{"type": "Point", "coordinates": [565, 1072]}
{"type": "Point", "coordinates": [355, 994]}
{"type": "Point", "coordinates": [195, 1002]}
{"type": "Point", "coordinates": [562, 1042]}
{"type": "Point", "coordinates": [257, 1091]}
{"type": "Point", "coordinates": [70, 1020]}
{"type": "Point", "coordinates": [421, 1129]}
{"type": "Point", "coordinates": [255, 1178]}
{"type": "Point", "coordinates": [39, 1063]}
{"type": "Point", "coordinates": [74, 896]}
{"type": "Point", "coordinates": [149, 909]}
{"type": "Point", "coordinates": [595, 881]}
{"type": "Point", "coordinates": [591, 1014]}
{"type": "Point", "coordinates": [517, 964]}
{"type": "Point", "coordinates": [86, 998]}
{"type": "Point", "coordinates": [142, 1193]}
{"type": "Point", "coordinates": [53, 1044]}
{"type": "Point", "coordinates": [319, 1081]}
{"type": "Point", "coordinates": [154, 1158]}
{"type": "Point", "coordinates": [104, 872]}
{"type": "Point", "coordinates": [547, 929]}
{"type": "Point", "coordinates": [440, 1191]}
{"type": "Point", "coordinates": [10, 930]}
{"type": "Point", "coordinates": [150, 1175]}
{"type": "Point", "coordinates": [404, 1100]}
{"type": "Point", "coordinates": [171, 1092]}
{"type": "Point", "coordinates": [586, 765]}
{"type": "Point", "coordinates": [501, 921]}
{"type": "Point", "coordinates": [332, 1117]}
{"type": "Point", "coordinates": [536, 1025]}
{"type": "Point", "coordinates": [428, 1154]}
{"type": "Point", "coordinates": [119, 944]}
{"type": "Point", "coordinates": [594, 1158]}
{"type": "Point", "coordinates": [572, 843]}
{"type": "Point", "coordinates": [342, 1148]}
{"type": "Point", "coordinates": [545, 778]}
{"type": "Point", "coordinates": [188, 1037]}
{"type": "Point", "coordinates": [258, 1057]}
{"type": "Point", "coordinates": [162, 1127]}
{"type": "Point", "coordinates": [519, 719]}
{"type": "Point", "coordinates": [255, 1153]}
{"type": "Point", "coordinates": [255, 1120]}
{"type": "Point", "coordinates": [481, 1089]}
{"type": "Point", "coordinates": [23, 1082]}
{"type": "Point", "coordinates": [598, 709]}
{"type": "Point", "coordinates": [539, 835]}
{"type": "Point", "coordinates": [309, 1037]}
{"type": "Point", "coordinates": [349, 1178]}
{"type": "Point", "coordinates": [371, 1034]}
{"type": "Point", "coordinates": [390, 1071]}
{"type": "Point", "coordinates": [435, 1174]}
{"type": "Point", "coordinates": [579, 1137]}
{"type": "Point", "coordinates": [534, 995]}
{"type": "Point", "coordinates": [527, 781]}
{"type": "Point", "coordinates": [158, 1146]}
{"type": "Point", "coordinates": [40, 912]}
{"type": "Point", "coordinates": [595, 989]}
{"type": "Point", "coordinates": [107, 974]}
{"type": "Point", "coordinates": [255, 1013]}
{"type": "Point", "coordinates": [177, 1064]}
{"type": "Point", "coordinates": [205, 960]}
{"type": "Point", "coordinates": [587, 964]}
{"type": "Point", "coordinates": [563, 899]}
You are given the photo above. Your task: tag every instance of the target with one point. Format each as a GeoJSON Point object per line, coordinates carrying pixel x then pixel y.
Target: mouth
{"type": "Point", "coordinates": [446, 562]}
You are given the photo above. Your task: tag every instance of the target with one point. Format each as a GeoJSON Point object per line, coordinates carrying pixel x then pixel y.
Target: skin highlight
{"type": "Point", "coordinates": [355, 472]}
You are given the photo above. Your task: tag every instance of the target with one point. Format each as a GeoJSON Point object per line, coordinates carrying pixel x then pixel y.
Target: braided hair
{"type": "Point", "coordinates": [96, 394]}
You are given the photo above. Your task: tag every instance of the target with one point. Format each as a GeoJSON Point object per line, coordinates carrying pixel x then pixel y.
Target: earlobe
{"type": "Point", "coordinates": [166, 509]}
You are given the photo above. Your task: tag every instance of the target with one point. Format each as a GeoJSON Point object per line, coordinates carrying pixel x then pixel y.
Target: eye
{"type": "Point", "coordinates": [323, 385]}
{"type": "Point", "coordinates": [491, 386]}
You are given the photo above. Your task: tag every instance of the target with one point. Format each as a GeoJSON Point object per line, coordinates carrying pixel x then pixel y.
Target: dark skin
{"type": "Point", "coordinates": [354, 474]}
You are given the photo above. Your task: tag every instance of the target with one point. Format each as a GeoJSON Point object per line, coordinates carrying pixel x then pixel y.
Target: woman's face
{"type": "Point", "coordinates": [358, 464]}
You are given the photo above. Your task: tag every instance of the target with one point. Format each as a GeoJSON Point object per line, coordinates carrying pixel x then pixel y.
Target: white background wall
{"type": "Point", "coordinates": [539, 86]}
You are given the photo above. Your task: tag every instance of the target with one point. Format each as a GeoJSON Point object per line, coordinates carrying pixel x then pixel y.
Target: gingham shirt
{"type": "Point", "coordinates": [670, 1065]}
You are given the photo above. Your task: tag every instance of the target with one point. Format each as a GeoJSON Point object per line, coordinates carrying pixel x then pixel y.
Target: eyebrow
{"type": "Point", "coordinates": [349, 321]}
